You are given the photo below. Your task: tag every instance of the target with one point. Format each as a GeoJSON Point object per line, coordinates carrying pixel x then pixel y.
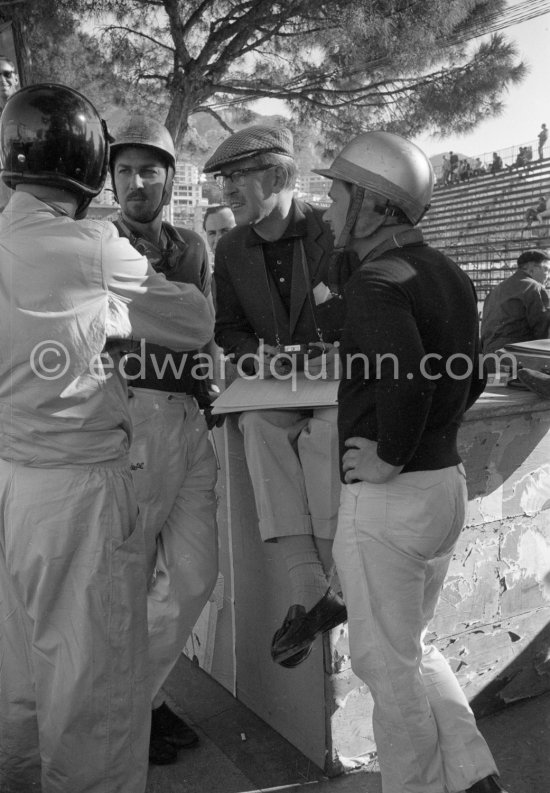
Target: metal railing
{"type": "Point", "coordinates": [508, 156]}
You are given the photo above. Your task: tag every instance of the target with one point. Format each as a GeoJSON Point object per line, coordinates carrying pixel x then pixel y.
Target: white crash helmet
{"type": "Point", "coordinates": [391, 167]}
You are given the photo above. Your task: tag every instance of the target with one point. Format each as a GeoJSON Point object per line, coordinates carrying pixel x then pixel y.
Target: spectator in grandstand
{"type": "Point", "coordinates": [531, 216]}
{"type": "Point", "coordinates": [496, 164]}
{"type": "Point", "coordinates": [518, 309]}
{"type": "Point", "coordinates": [522, 159]}
{"type": "Point", "coordinates": [453, 159]}
{"type": "Point", "coordinates": [218, 220]}
{"type": "Point", "coordinates": [464, 171]}
{"type": "Point", "coordinates": [532, 213]}
{"type": "Point", "coordinates": [543, 210]}
{"type": "Point", "coordinates": [479, 168]}
{"type": "Point", "coordinates": [445, 170]}
{"type": "Point", "coordinates": [543, 137]}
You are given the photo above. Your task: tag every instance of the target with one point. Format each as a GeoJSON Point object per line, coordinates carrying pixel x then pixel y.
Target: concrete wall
{"type": "Point", "coordinates": [493, 619]}
{"type": "Point", "coordinates": [492, 622]}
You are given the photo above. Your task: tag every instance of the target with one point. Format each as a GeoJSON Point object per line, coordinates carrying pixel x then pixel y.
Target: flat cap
{"type": "Point", "coordinates": [536, 256]}
{"type": "Point", "coordinates": [250, 142]}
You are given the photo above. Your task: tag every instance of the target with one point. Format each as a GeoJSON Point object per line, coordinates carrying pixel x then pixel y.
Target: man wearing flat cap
{"type": "Point", "coordinates": [518, 308]}
{"type": "Point", "coordinates": [272, 284]}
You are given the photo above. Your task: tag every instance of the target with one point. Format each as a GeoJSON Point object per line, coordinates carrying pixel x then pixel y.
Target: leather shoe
{"type": "Point", "coordinates": [161, 753]}
{"type": "Point", "coordinates": [326, 614]}
{"type": "Point", "coordinates": [171, 729]}
{"type": "Point", "coordinates": [490, 784]}
{"type": "Point", "coordinates": [535, 381]}
{"type": "Point", "coordinates": [295, 614]}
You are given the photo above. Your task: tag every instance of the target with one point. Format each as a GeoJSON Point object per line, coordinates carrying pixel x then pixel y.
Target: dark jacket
{"type": "Point", "coordinates": [515, 310]}
{"type": "Point", "coordinates": [249, 310]}
{"type": "Point", "coordinates": [165, 369]}
{"type": "Point", "coordinates": [409, 312]}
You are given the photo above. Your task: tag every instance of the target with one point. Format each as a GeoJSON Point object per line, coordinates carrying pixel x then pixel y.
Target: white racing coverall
{"type": "Point", "coordinates": [75, 698]}
{"type": "Point", "coordinates": [174, 472]}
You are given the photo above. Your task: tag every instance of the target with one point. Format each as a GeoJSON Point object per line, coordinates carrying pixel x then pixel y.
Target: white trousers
{"type": "Point", "coordinates": [292, 458]}
{"type": "Point", "coordinates": [392, 549]}
{"type": "Point", "coordinates": [174, 471]}
{"type": "Point", "coordinates": [75, 701]}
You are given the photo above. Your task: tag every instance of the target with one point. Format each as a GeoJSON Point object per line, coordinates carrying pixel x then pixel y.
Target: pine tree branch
{"type": "Point", "coordinates": [177, 30]}
{"type": "Point", "coordinates": [195, 17]}
{"type": "Point", "coordinates": [133, 32]}
{"type": "Point", "coordinates": [219, 119]}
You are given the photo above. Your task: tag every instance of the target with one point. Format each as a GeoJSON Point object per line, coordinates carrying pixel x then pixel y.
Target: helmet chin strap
{"type": "Point", "coordinates": [157, 211]}
{"type": "Point", "coordinates": [353, 213]}
{"type": "Point", "coordinates": [355, 204]}
{"type": "Point", "coordinates": [82, 207]}
{"type": "Point", "coordinates": [165, 193]}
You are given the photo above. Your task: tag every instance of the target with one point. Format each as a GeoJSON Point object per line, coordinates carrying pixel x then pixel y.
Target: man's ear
{"type": "Point", "coordinates": [278, 179]}
{"type": "Point", "coordinates": [168, 186]}
{"type": "Point", "coordinates": [368, 220]}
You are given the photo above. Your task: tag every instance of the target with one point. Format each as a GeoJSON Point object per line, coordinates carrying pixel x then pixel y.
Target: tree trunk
{"type": "Point", "coordinates": [22, 51]}
{"type": "Point", "coordinates": [188, 91]}
{"type": "Point", "coordinates": [22, 55]}
{"type": "Point", "coordinates": [181, 107]}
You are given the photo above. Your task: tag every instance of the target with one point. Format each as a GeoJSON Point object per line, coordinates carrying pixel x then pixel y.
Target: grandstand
{"type": "Point", "coordinates": [481, 223]}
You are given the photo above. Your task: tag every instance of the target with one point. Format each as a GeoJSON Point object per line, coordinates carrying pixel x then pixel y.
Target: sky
{"type": "Point", "coordinates": [527, 106]}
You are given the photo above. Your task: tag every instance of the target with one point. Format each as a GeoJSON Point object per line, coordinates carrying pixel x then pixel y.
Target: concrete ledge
{"type": "Point", "coordinates": [492, 622]}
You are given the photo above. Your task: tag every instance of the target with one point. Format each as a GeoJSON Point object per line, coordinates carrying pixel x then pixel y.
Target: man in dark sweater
{"type": "Point", "coordinates": [409, 351]}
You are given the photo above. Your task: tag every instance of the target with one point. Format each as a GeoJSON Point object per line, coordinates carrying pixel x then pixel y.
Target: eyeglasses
{"type": "Point", "coordinates": [7, 73]}
{"type": "Point", "coordinates": [238, 177]}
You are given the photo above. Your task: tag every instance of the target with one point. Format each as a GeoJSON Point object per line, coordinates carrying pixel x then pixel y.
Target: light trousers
{"type": "Point", "coordinates": [174, 471]}
{"type": "Point", "coordinates": [392, 549]}
{"type": "Point", "coordinates": [75, 701]}
{"type": "Point", "coordinates": [292, 458]}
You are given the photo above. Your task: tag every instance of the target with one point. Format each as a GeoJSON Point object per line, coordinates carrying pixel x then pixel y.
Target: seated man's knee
{"type": "Point", "coordinates": [256, 420]}
{"type": "Point", "coordinates": [204, 583]}
{"type": "Point", "coordinates": [249, 420]}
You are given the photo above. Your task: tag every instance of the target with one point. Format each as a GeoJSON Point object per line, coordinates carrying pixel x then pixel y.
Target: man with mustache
{"type": "Point", "coordinates": [173, 462]}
